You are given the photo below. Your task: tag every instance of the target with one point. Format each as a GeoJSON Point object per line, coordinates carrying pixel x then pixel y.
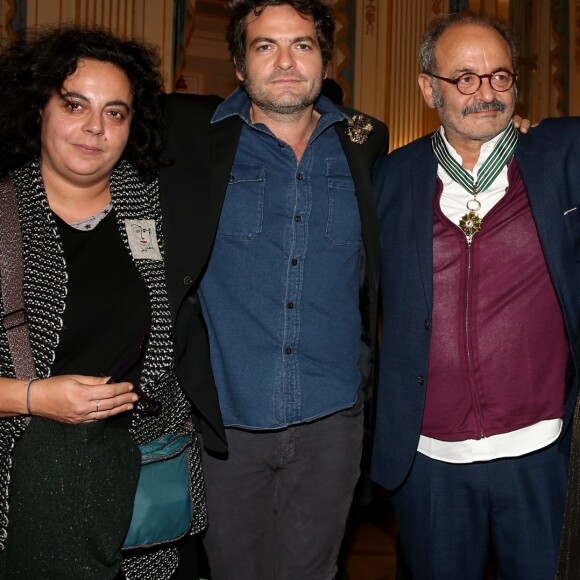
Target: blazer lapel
{"type": "Point", "coordinates": [224, 139]}
{"type": "Point", "coordinates": [423, 184]}
{"type": "Point", "coordinates": [192, 197]}
{"type": "Point", "coordinates": [530, 163]}
{"type": "Point", "coordinates": [361, 169]}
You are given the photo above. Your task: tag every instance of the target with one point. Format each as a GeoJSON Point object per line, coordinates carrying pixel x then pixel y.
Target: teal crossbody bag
{"type": "Point", "coordinates": [163, 509]}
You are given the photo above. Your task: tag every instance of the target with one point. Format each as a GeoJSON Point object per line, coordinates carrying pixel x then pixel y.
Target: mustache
{"type": "Point", "coordinates": [494, 105]}
{"type": "Point", "coordinates": [286, 75]}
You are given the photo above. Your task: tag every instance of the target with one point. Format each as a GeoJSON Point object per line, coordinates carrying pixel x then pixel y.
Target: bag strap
{"type": "Point", "coordinates": [12, 278]}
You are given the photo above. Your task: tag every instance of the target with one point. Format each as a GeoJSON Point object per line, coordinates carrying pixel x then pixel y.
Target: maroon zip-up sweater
{"type": "Point", "coordinates": [498, 346]}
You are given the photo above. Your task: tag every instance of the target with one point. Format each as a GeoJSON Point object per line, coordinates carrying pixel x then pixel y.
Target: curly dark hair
{"type": "Point", "coordinates": [320, 11]}
{"type": "Point", "coordinates": [34, 67]}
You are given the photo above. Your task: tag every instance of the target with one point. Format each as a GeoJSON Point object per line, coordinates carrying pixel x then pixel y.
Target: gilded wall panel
{"type": "Point", "coordinates": [6, 15]}
{"type": "Point", "coordinates": [12, 17]}
{"type": "Point", "coordinates": [387, 65]}
{"type": "Point", "coordinates": [150, 20]}
{"type": "Point", "coordinates": [372, 51]}
{"type": "Point", "coordinates": [341, 67]}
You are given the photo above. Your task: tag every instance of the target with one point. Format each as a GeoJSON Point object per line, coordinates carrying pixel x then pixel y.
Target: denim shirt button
{"type": "Point", "coordinates": [288, 350]}
{"type": "Point", "coordinates": [294, 262]}
{"type": "Point", "coordinates": [290, 305]}
{"type": "Point", "coordinates": [298, 218]}
{"type": "Point", "coordinates": [299, 177]}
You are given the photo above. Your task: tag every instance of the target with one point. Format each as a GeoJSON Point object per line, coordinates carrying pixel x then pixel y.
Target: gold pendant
{"type": "Point", "coordinates": [470, 223]}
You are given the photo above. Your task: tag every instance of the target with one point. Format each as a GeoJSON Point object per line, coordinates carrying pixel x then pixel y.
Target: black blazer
{"type": "Point", "coordinates": [548, 158]}
{"type": "Point", "coordinates": [192, 194]}
{"type": "Point", "coordinates": [190, 213]}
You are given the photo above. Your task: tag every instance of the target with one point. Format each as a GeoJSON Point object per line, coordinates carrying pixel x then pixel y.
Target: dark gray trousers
{"type": "Point", "coordinates": [277, 506]}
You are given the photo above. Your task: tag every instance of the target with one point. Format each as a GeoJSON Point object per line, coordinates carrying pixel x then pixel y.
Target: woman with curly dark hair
{"type": "Point", "coordinates": [34, 67]}
{"type": "Point", "coordinates": [80, 143]}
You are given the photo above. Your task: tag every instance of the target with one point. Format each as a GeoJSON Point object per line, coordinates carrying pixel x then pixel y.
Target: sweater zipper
{"type": "Point", "coordinates": [468, 341]}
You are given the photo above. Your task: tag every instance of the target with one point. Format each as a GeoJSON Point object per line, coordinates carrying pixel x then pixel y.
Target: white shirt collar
{"type": "Point", "coordinates": [484, 152]}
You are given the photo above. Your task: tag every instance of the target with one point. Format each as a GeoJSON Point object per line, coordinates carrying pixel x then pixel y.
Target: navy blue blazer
{"type": "Point", "coordinates": [192, 189]}
{"type": "Point", "coordinates": [549, 161]}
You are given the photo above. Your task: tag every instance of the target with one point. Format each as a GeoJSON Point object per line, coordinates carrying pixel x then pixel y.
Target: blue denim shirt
{"type": "Point", "coordinates": [281, 291]}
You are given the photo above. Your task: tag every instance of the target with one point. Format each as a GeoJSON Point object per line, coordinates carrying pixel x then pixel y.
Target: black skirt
{"type": "Point", "coordinates": [71, 500]}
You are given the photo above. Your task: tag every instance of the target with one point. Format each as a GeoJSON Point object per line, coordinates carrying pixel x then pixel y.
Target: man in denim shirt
{"type": "Point", "coordinates": [290, 299]}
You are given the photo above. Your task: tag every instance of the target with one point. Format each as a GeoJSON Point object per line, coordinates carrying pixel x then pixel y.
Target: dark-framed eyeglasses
{"type": "Point", "coordinates": [469, 83]}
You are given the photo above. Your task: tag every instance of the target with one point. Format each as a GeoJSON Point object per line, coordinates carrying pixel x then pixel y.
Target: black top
{"type": "Point", "coordinates": [107, 305]}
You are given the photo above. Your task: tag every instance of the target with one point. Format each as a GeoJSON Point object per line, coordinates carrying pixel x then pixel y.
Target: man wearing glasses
{"type": "Point", "coordinates": [480, 234]}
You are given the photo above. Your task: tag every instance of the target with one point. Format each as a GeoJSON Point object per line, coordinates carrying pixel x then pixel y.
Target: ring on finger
{"type": "Point", "coordinates": [97, 401]}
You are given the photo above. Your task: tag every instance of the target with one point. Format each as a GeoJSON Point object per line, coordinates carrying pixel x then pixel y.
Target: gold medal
{"type": "Point", "coordinates": [470, 223]}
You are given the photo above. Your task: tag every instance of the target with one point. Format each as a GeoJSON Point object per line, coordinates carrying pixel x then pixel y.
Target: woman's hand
{"type": "Point", "coordinates": [79, 399]}
{"type": "Point", "coordinates": [522, 124]}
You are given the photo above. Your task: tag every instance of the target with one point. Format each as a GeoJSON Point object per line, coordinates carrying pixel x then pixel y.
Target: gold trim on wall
{"type": "Point", "coordinates": [7, 12]}
{"type": "Point", "coordinates": [387, 65]}
{"type": "Point", "coordinates": [149, 20]}
{"type": "Point", "coordinates": [341, 58]}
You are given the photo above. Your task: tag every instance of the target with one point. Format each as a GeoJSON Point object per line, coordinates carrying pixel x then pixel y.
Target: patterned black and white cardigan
{"type": "Point", "coordinates": [45, 290]}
